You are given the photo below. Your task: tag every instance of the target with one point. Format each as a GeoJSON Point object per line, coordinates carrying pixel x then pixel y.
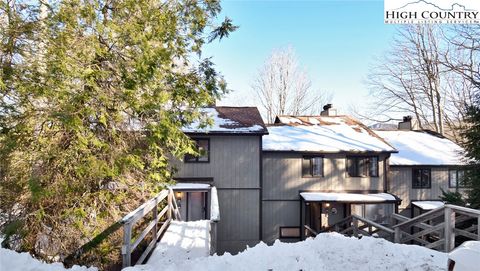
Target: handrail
{"type": "Point", "coordinates": [373, 223]}
{"type": "Point", "coordinates": [128, 221]}
{"type": "Point", "coordinates": [419, 218]}
{"type": "Point", "coordinates": [463, 209]}
{"type": "Point", "coordinates": [334, 226]}
{"type": "Point", "coordinates": [315, 233]}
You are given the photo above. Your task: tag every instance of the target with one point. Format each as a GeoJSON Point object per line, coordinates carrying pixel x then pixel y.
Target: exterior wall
{"type": "Point", "coordinates": [234, 169]}
{"type": "Point", "coordinates": [282, 182]}
{"type": "Point", "coordinates": [400, 184]}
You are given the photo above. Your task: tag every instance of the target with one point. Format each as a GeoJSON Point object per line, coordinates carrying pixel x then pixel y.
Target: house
{"type": "Point", "coordinates": [319, 169]}
{"type": "Point", "coordinates": [230, 160]}
{"type": "Point", "coordinates": [307, 173]}
{"type": "Point", "coordinates": [426, 164]}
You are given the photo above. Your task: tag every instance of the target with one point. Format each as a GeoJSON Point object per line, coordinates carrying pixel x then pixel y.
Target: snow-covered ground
{"type": "Point", "coordinates": [13, 261]}
{"type": "Point", "coordinates": [330, 251]}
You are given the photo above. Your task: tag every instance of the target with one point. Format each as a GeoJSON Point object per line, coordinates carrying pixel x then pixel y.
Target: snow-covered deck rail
{"type": "Point", "coordinates": [129, 221]}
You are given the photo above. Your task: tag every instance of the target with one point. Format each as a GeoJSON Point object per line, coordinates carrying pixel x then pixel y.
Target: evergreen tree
{"type": "Point", "coordinates": [93, 95]}
{"type": "Point", "coordinates": [472, 148]}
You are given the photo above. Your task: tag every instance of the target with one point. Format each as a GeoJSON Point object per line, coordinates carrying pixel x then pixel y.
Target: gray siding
{"type": "Point", "coordinates": [235, 169]}
{"type": "Point", "coordinates": [278, 214]}
{"type": "Point", "coordinates": [282, 176]}
{"type": "Point", "coordinates": [400, 183]}
{"type": "Point", "coordinates": [282, 182]}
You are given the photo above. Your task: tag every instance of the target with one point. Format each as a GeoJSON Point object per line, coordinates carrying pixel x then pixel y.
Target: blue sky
{"type": "Point", "coordinates": [336, 42]}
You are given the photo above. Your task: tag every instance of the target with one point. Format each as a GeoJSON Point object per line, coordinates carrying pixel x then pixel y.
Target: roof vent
{"type": "Point", "coordinates": [329, 111]}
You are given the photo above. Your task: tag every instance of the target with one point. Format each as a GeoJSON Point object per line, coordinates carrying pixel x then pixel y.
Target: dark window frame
{"type": "Point", "coordinates": [289, 237]}
{"type": "Point", "coordinates": [458, 185]}
{"type": "Point", "coordinates": [356, 158]}
{"type": "Point", "coordinates": [429, 177]}
{"type": "Point", "coordinates": [196, 160]}
{"type": "Point", "coordinates": [310, 158]}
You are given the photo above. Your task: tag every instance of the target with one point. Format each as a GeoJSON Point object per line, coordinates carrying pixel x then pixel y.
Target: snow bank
{"type": "Point", "coordinates": [331, 251]}
{"type": "Point", "coordinates": [422, 148]}
{"type": "Point", "coordinates": [11, 261]}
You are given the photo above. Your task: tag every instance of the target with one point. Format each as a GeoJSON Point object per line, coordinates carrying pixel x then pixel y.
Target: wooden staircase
{"type": "Point", "coordinates": [441, 229]}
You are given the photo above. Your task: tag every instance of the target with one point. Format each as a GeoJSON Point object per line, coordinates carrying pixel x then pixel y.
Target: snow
{"type": "Point", "coordinates": [322, 134]}
{"type": "Point", "coordinates": [428, 205]}
{"type": "Point", "coordinates": [11, 261]}
{"type": "Point", "coordinates": [214, 207]}
{"type": "Point", "coordinates": [182, 242]}
{"type": "Point", "coordinates": [220, 124]}
{"type": "Point", "coordinates": [346, 197]}
{"type": "Point", "coordinates": [328, 251]}
{"type": "Point", "coordinates": [422, 148]}
{"type": "Point", "coordinates": [180, 186]}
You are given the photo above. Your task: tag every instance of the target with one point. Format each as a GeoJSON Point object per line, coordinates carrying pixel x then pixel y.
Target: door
{"type": "Point", "coordinates": [196, 203]}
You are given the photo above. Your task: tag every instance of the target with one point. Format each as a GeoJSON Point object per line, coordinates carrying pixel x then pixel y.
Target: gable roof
{"type": "Point", "coordinates": [422, 148]}
{"type": "Point", "coordinates": [230, 120]}
{"type": "Point", "coordinates": [323, 134]}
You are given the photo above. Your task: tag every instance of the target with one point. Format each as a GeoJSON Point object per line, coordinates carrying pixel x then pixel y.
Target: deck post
{"type": "Point", "coordinates": [478, 228]}
{"type": "Point", "coordinates": [355, 227]}
{"type": "Point", "coordinates": [449, 229]}
{"type": "Point", "coordinates": [155, 218]}
{"type": "Point", "coordinates": [170, 205]}
{"type": "Point", "coordinates": [397, 235]}
{"type": "Point", "coordinates": [126, 248]}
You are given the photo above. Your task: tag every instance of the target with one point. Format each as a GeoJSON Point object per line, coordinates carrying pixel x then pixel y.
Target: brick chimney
{"type": "Point", "coordinates": [329, 111]}
{"type": "Point", "coordinates": [408, 124]}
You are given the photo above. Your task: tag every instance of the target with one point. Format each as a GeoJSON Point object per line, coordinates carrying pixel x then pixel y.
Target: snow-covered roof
{"type": "Point", "coordinates": [229, 120]}
{"type": "Point", "coordinates": [180, 186]}
{"type": "Point", "coordinates": [428, 204]}
{"type": "Point", "coordinates": [346, 197]}
{"type": "Point", "coordinates": [323, 134]}
{"type": "Point", "coordinates": [422, 148]}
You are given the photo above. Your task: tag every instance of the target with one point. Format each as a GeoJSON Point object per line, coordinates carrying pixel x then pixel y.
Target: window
{"type": "Point", "coordinates": [289, 232]}
{"type": "Point", "coordinates": [421, 178]}
{"type": "Point", "coordinates": [378, 212]}
{"type": "Point", "coordinates": [362, 166]}
{"type": "Point", "coordinates": [312, 166]}
{"type": "Point", "coordinates": [203, 147]}
{"type": "Point", "coordinates": [456, 178]}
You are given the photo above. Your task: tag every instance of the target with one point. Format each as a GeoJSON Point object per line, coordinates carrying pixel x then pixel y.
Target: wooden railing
{"type": "Point", "coordinates": [356, 225]}
{"type": "Point", "coordinates": [168, 213]}
{"type": "Point", "coordinates": [438, 228]}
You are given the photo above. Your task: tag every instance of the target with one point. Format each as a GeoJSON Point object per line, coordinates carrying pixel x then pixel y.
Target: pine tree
{"type": "Point", "coordinates": [93, 95]}
{"type": "Point", "coordinates": [472, 148]}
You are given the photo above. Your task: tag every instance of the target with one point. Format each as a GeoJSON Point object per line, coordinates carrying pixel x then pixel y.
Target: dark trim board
{"type": "Point", "coordinates": [281, 199]}
{"type": "Point", "coordinates": [239, 188]}
{"type": "Point", "coordinates": [194, 180]}
{"type": "Point", "coordinates": [226, 134]}
{"type": "Point", "coordinates": [260, 213]}
{"type": "Point", "coordinates": [335, 152]}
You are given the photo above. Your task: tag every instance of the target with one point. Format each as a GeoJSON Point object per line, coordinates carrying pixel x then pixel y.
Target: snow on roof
{"type": "Point", "coordinates": [338, 252]}
{"type": "Point", "coordinates": [237, 120]}
{"type": "Point", "coordinates": [322, 134]}
{"type": "Point", "coordinates": [422, 148]}
{"type": "Point", "coordinates": [347, 197]}
{"type": "Point", "coordinates": [428, 204]}
{"type": "Point", "coordinates": [180, 186]}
